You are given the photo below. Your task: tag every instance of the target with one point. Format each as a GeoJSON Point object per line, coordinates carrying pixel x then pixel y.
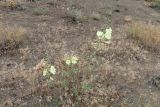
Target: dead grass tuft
{"type": "Point", "coordinates": [12, 4]}
{"type": "Point", "coordinates": [155, 4]}
{"type": "Point", "coordinates": [11, 36]}
{"type": "Point", "coordinates": [148, 34]}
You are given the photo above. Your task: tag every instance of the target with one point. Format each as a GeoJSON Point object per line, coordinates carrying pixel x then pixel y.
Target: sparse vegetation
{"type": "Point", "coordinates": [11, 36]}
{"type": "Point", "coordinates": [51, 54]}
{"type": "Point", "coordinates": [148, 34]}
{"type": "Point", "coordinates": [104, 39]}
{"type": "Point", "coordinates": [73, 77]}
{"type": "Point", "coordinates": [77, 15]}
{"type": "Point", "coordinates": [40, 11]}
{"type": "Point", "coordinates": [154, 4]}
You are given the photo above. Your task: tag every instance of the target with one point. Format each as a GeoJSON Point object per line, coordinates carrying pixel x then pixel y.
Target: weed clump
{"type": "Point", "coordinates": [12, 4]}
{"type": "Point", "coordinates": [155, 4]}
{"type": "Point", "coordinates": [10, 37]}
{"type": "Point", "coordinates": [77, 16]}
{"type": "Point", "coordinates": [148, 34]}
{"type": "Point", "coordinates": [39, 11]}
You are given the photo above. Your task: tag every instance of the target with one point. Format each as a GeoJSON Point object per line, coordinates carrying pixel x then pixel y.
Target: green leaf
{"type": "Point", "coordinates": [45, 72]}
{"type": "Point", "coordinates": [87, 86]}
{"type": "Point", "coordinates": [53, 70]}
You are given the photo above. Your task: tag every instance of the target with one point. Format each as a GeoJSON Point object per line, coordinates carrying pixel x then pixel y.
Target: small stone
{"type": "Point", "coordinates": [128, 18]}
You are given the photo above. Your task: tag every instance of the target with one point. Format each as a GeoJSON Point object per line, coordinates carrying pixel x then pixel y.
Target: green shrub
{"type": "Point", "coordinates": [40, 11]}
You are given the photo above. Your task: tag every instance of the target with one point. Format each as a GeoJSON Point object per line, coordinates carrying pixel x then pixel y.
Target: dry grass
{"type": "Point", "coordinates": [154, 4]}
{"type": "Point", "coordinates": [11, 36]}
{"type": "Point", "coordinates": [148, 34]}
{"type": "Point", "coordinates": [12, 4]}
{"type": "Point", "coordinates": [149, 99]}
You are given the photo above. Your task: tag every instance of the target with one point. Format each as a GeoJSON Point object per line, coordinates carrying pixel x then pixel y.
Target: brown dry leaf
{"type": "Point", "coordinates": [40, 65]}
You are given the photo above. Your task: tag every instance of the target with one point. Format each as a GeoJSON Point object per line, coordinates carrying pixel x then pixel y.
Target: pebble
{"type": "Point", "coordinates": [128, 18]}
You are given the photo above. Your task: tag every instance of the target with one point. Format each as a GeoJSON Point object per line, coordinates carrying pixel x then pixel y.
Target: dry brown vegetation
{"type": "Point", "coordinates": [11, 36]}
{"type": "Point", "coordinates": [12, 4]}
{"type": "Point", "coordinates": [148, 34]}
{"type": "Point", "coordinates": [154, 4]}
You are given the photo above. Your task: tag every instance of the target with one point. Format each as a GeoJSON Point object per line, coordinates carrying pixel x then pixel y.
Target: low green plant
{"type": "Point", "coordinates": [105, 35]}
{"type": "Point", "coordinates": [104, 38]}
{"type": "Point", "coordinates": [156, 5]}
{"type": "Point", "coordinates": [71, 60]}
{"type": "Point", "coordinates": [67, 79]}
{"type": "Point", "coordinates": [40, 11]}
{"type": "Point", "coordinates": [87, 86]}
{"type": "Point", "coordinates": [71, 79]}
{"type": "Point", "coordinates": [49, 71]}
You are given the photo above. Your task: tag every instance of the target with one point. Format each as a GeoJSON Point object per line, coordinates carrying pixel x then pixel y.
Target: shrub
{"type": "Point", "coordinates": [40, 11]}
{"type": "Point", "coordinates": [148, 34]}
{"type": "Point", "coordinates": [77, 15]}
{"type": "Point", "coordinates": [154, 4]}
{"type": "Point", "coordinates": [11, 36]}
{"type": "Point", "coordinates": [12, 4]}
{"type": "Point", "coordinates": [67, 79]}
